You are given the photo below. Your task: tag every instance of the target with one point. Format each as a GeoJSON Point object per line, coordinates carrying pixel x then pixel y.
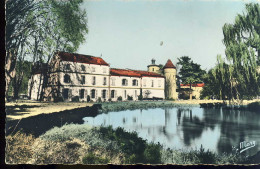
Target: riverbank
{"type": "Point", "coordinates": [20, 110]}
{"type": "Point", "coordinates": [25, 109]}
{"type": "Point", "coordinates": [83, 144]}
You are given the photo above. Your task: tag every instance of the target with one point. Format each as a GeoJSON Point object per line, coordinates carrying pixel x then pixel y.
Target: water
{"type": "Point", "coordinates": [188, 128]}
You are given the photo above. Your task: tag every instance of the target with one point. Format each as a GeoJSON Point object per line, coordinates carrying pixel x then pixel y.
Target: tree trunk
{"type": "Point", "coordinates": [17, 82]}
{"type": "Point", "coordinates": [190, 93]}
{"type": "Point", "coordinates": [10, 63]}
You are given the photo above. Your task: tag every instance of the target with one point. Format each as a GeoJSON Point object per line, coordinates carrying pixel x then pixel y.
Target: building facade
{"type": "Point", "coordinates": [71, 76]}
{"type": "Point", "coordinates": [90, 79]}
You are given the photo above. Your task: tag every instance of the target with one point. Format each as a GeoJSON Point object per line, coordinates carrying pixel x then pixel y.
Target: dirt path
{"type": "Point", "coordinates": [28, 109]}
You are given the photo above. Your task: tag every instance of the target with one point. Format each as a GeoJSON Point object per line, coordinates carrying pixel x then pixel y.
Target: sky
{"type": "Point", "coordinates": [128, 33]}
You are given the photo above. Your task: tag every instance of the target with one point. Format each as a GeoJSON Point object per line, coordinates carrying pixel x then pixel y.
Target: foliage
{"type": "Point", "coordinates": [241, 76]}
{"type": "Point", "coordinates": [19, 148]}
{"type": "Point", "coordinates": [76, 144]}
{"type": "Point", "coordinates": [119, 98]}
{"type": "Point", "coordinates": [119, 106]}
{"type": "Point", "coordinates": [152, 153]}
{"type": "Point", "coordinates": [99, 100]}
{"type": "Point", "coordinates": [140, 97]}
{"type": "Point", "coordinates": [190, 72]}
{"type": "Point", "coordinates": [212, 86]}
{"type": "Point", "coordinates": [91, 158]}
{"type": "Point", "coordinates": [129, 97]}
{"type": "Point", "coordinates": [255, 106]}
{"type": "Point", "coordinates": [147, 93]}
{"type": "Point", "coordinates": [199, 156]}
{"type": "Point", "coordinates": [37, 29]}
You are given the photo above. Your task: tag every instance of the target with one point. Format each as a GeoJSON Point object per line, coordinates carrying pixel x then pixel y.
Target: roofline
{"type": "Point", "coordinates": [86, 63]}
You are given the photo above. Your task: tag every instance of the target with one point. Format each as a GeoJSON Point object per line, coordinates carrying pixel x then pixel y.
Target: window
{"type": "Point", "coordinates": [144, 83]}
{"type": "Point", "coordinates": [81, 93]}
{"type": "Point", "coordinates": [104, 92]}
{"type": "Point", "coordinates": [125, 93]}
{"type": "Point", "coordinates": [152, 83]}
{"type": "Point", "coordinates": [93, 93]}
{"type": "Point", "coordinates": [83, 68]}
{"type": "Point", "coordinates": [83, 80]}
{"type": "Point", "coordinates": [66, 78]}
{"type": "Point", "coordinates": [93, 69]}
{"type": "Point", "coordinates": [93, 80]}
{"type": "Point", "coordinates": [113, 81]}
{"type": "Point", "coordinates": [105, 81]}
{"type": "Point", "coordinates": [153, 69]}
{"type": "Point", "coordinates": [135, 82]}
{"type": "Point", "coordinates": [124, 82]}
{"type": "Point", "coordinates": [135, 93]}
{"type": "Point", "coordinates": [67, 67]}
{"type": "Point", "coordinates": [159, 83]}
{"type": "Point", "coordinates": [112, 93]}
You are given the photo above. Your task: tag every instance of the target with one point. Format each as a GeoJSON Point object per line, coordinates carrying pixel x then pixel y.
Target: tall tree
{"type": "Point", "coordinates": [37, 29]}
{"type": "Point", "coordinates": [190, 72]}
{"type": "Point", "coordinates": [242, 41]}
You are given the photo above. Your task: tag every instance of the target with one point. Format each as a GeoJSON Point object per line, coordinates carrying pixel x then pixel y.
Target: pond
{"type": "Point", "coordinates": [188, 128]}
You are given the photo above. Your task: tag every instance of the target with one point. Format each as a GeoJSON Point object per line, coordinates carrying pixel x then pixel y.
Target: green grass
{"type": "Point", "coordinates": [132, 105]}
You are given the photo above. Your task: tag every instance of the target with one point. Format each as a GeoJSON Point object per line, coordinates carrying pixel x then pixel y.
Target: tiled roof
{"type": "Point", "coordinates": [169, 64]}
{"type": "Point", "coordinates": [194, 85]}
{"type": "Point", "coordinates": [133, 73]}
{"type": "Point", "coordinates": [73, 57]}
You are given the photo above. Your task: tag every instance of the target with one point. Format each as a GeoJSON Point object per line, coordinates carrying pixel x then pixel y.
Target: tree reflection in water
{"type": "Point", "coordinates": [215, 129]}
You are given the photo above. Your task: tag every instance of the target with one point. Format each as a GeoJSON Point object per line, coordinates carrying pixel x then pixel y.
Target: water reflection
{"type": "Point", "coordinates": [216, 129]}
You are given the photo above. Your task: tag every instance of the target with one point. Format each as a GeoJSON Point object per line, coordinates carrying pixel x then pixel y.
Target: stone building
{"type": "Point", "coordinates": [91, 78]}
{"type": "Point", "coordinates": [72, 76]}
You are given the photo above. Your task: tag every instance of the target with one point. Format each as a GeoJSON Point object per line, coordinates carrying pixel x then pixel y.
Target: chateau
{"type": "Point", "coordinates": [90, 78]}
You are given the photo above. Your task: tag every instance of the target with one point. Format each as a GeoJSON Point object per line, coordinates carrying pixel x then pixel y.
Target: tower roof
{"type": "Point", "coordinates": [169, 64]}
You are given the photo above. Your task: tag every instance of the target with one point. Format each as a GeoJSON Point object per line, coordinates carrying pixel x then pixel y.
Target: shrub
{"type": "Point", "coordinates": [99, 100]}
{"type": "Point", "coordinates": [152, 153]}
{"type": "Point", "coordinates": [119, 98]}
{"type": "Point", "coordinates": [255, 106]}
{"type": "Point", "coordinates": [19, 148]}
{"type": "Point", "coordinates": [69, 151]}
{"type": "Point", "coordinates": [129, 97]}
{"type": "Point", "coordinates": [90, 158]}
{"type": "Point", "coordinates": [140, 97]}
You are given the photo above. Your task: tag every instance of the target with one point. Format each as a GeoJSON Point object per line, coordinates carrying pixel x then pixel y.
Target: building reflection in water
{"type": "Point", "coordinates": [215, 129]}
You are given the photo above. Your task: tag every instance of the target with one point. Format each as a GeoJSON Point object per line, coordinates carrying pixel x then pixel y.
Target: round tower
{"type": "Point", "coordinates": [153, 67]}
{"type": "Point", "coordinates": [170, 80]}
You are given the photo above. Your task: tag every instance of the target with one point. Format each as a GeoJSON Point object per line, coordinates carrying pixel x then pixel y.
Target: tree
{"type": "Point", "coordinates": [190, 72]}
{"type": "Point", "coordinates": [37, 29]}
{"type": "Point", "coordinates": [242, 41]}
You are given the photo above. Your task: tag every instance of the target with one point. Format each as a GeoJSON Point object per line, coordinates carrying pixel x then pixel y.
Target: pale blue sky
{"type": "Point", "coordinates": [128, 32]}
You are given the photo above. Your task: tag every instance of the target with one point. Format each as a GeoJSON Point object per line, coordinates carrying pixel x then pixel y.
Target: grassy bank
{"type": "Point", "coordinates": [131, 105]}
{"type": "Point", "coordinates": [82, 144]}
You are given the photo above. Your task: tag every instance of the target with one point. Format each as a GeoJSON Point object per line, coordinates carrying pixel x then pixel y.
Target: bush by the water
{"type": "Point", "coordinates": [255, 106]}
{"type": "Point", "coordinates": [77, 144]}
{"type": "Point", "coordinates": [200, 156]}
{"type": "Point", "coordinates": [105, 139]}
